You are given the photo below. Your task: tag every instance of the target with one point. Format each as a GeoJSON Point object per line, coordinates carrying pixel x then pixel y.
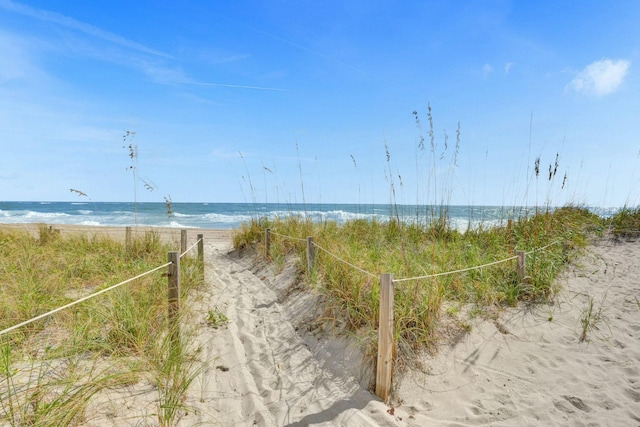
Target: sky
{"type": "Point", "coordinates": [478, 102]}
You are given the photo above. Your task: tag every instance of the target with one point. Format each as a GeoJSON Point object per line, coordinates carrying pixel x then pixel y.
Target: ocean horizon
{"type": "Point", "coordinates": [232, 215]}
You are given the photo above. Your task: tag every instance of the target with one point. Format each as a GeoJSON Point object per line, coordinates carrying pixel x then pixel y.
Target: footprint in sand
{"type": "Point", "coordinates": [578, 403]}
{"type": "Point", "coordinates": [633, 395]}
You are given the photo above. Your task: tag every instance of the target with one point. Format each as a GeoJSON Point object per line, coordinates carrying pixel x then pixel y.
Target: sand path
{"type": "Point", "coordinates": [261, 372]}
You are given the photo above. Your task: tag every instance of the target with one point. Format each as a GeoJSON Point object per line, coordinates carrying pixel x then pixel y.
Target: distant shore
{"type": "Point", "coordinates": [167, 234]}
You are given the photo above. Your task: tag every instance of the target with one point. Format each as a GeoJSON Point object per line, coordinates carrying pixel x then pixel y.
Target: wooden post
{"type": "Point", "coordinates": [201, 253]}
{"type": "Point", "coordinates": [267, 242]}
{"type": "Point", "coordinates": [385, 338]}
{"type": "Point", "coordinates": [200, 248]}
{"type": "Point", "coordinates": [127, 237]}
{"type": "Point", "coordinates": [311, 254]}
{"type": "Point", "coordinates": [174, 294]}
{"type": "Point", "coordinates": [183, 241]}
{"type": "Point", "coordinates": [522, 265]}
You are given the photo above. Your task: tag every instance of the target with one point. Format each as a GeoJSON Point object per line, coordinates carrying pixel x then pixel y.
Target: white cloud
{"type": "Point", "coordinates": [82, 27]}
{"type": "Point", "coordinates": [17, 62]}
{"type": "Point", "coordinates": [601, 77]}
{"type": "Point", "coordinates": [487, 69]}
{"type": "Point", "coordinates": [507, 67]}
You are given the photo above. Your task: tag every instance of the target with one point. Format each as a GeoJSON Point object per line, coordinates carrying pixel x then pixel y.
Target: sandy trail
{"type": "Point", "coordinates": [262, 372]}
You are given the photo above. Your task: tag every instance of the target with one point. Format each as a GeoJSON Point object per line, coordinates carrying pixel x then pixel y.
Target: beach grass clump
{"type": "Point", "coordinates": [51, 369]}
{"type": "Point", "coordinates": [626, 223]}
{"type": "Point", "coordinates": [430, 264]}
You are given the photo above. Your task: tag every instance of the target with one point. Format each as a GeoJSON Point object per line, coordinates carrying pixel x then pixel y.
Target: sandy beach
{"type": "Point", "coordinates": [531, 365]}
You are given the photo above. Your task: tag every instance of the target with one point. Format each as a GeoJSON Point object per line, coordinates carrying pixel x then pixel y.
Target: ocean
{"type": "Point", "coordinates": [231, 215]}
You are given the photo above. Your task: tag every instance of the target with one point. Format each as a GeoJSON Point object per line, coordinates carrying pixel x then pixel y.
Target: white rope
{"type": "Point", "coordinates": [26, 322]}
{"type": "Point", "coordinates": [542, 248]}
{"type": "Point", "coordinates": [288, 237]}
{"type": "Point", "coordinates": [456, 271]}
{"type": "Point", "coordinates": [191, 247]}
{"type": "Point", "coordinates": [340, 259]}
{"type": "Point", "coordinates": [477, 267]}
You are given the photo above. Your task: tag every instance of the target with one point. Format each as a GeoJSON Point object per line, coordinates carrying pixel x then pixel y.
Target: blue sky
{"type": "Point", "coordinates": [292, 101]}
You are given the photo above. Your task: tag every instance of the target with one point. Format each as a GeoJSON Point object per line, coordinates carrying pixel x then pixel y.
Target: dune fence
{"type": "Point", "coordinates": [173, 276]}
{"type": "Point", "coordinates": [387, 283]}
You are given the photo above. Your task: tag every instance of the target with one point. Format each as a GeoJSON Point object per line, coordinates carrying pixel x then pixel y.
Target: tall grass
{"type": "Point", "coordinates": [51, 369]}
{"type": "Point", "coordinates": [412, 250]}
{"type": "Point", "coordinates": [427, 246]}
{"type": "Point", "coordinates": [626, 223]}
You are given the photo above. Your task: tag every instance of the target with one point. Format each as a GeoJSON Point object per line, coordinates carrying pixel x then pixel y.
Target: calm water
{"type": "Point", "coordinates": [231, 215]}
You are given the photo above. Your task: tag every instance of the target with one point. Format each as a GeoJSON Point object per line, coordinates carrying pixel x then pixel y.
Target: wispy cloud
{"type": "Point", "coordinates": [600, 78]}
{"type": "Point", "coordinates": [301, 47]}
{"type": "Point", "coordinates": [220, 153]}
{"type": "Point", "coordinates": [487, 69]}
{"type": "Point", "coordinates": [196, 83]}
{"type": "Point", "coordinates": [65, 21]}
{"type": "Point", "coordinates": [15, 62]}
{"type": "Point", "coordinates": [508, 66]}
{"type": "Point", "coordinates": [219, 56]}
{"type": "Point", "coordinates": [160, 73]}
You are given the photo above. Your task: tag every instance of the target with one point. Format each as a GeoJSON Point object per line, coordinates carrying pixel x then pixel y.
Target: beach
{"type": "Point", "coordinates": [529, 366]}
{"type": "Point", "coordinates": [269, 365]}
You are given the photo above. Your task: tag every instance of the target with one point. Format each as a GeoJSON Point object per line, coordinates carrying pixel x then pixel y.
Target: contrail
{"type": "Point", "coordinates": [233, 86]}
{"type": "Point", "coordinates": [297, 46]}
{"type": "Point", "coordinates": [91, 30]}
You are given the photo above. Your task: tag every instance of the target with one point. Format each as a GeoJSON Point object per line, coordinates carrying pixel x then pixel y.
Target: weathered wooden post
{"type": "Point", "coordinates": [385, 338]}
{"type": "Point", "coordinates": [183, 241]}
{"type": "Point", "coordinates": [522, 266]}
{"type": "Point", "coordinates": [200, 248]}
{"type": "Point", "coordinates": [311, 254]}
{"type": "Point", "coordinates": [174, 294]}
{"type": "Point", "coordinates": [201, 253]}
{"type": "Point", "coordinates": [267, 242]}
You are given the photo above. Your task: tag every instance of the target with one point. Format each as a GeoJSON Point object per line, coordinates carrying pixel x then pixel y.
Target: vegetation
{"type": "Point", "coordinates": [626, 223]}
{"type": "Point", "coordinates": [421, 251]}
{"type": "Point", "coordinates": [408, 250]}
{"type": "Point", "coordinates": [51, 369]}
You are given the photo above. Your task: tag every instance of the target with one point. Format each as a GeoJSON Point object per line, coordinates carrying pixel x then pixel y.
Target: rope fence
{"type": "Point", "coordinates": [344, 262]}
{"type": "Point", "coordinates": [173, 286]}
{"type": "Point", "coordinates": [287, 237]}
{"type": "Point", "coordinates": [477, 267]}
{"type": "Point", "coordinates": [78, 301]}
{"type": "Point", "coordinates": [270, 232]}
{"type": "Point", "coordinates": [190, 248]}
{"type": "Point", "coordinates": [385, 327]}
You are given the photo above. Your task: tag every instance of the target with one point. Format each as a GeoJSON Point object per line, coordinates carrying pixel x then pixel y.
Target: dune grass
{"type": "Point", "coordinates": [412, 250]}
{"type": "Point", "coordinates": [626, 223]}
{"type": "Point", "coordinates": [52, 368]}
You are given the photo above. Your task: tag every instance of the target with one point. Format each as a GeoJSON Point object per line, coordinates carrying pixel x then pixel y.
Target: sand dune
{"type": "Point", "coordinates": [521, 366]}
{"type": "Point", "coordinates": [525, 366]}
{"type": "Point", "coordinates": [529, 366]}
